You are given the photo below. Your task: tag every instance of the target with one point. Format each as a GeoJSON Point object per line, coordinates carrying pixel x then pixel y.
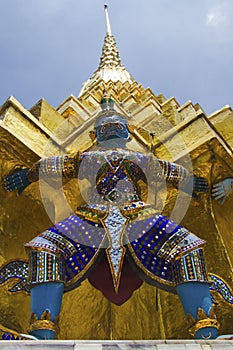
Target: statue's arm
{"type": "Point", "coordinates": [173, 173]}
{"type": "Point", "coordinates": [178, 175]}
{"type": "Point", "coordinates": [222, 189]}
{"type": "Point", "coordinates": [56, 166]}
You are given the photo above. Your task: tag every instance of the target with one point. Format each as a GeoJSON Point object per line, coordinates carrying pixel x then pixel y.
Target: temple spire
{"type": "Point", "coordinates": [110, 67]}
{"type": "Point", "coordinates": [108, 26]}
{"type": "Point", "coordinates": [110, 56]}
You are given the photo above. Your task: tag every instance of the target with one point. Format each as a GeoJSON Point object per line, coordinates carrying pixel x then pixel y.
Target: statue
{"type": "Point", "coordinates": [116, 230]}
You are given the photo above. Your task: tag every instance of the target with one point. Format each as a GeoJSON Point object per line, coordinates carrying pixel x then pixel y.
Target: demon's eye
{"type": "Point", "coordinates": [102, 128]}
{"type": "Point", "coordinates": [120, 127]}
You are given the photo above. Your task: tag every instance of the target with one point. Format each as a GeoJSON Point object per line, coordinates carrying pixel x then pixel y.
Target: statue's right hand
{"type": "Point", "coordinates": [16, 181]}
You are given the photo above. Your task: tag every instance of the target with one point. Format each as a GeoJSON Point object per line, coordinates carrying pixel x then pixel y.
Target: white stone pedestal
{"type": "Point", "coordinates": [118, 345]}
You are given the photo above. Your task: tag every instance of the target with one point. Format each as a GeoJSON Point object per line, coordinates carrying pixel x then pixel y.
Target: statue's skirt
{"type": "Point", "coordinates": [147, 248]}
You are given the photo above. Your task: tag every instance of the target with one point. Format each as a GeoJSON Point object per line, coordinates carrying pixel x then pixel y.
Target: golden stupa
{"type": "Point", "coordinates": [184, 134]}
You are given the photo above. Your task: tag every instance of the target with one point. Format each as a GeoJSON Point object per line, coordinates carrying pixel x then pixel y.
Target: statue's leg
{"type": "Point", "coordinates": [57, 256]}
{"type": "Point", "coordinates": [46, 280]}
{"type": "Point", "coordinates": [46, 300]}
{"type": "Point", "coordinates": [193, 290]}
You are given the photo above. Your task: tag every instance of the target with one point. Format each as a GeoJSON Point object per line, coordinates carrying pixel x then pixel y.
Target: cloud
{"type": "Point", "coordinates": [216, 16]}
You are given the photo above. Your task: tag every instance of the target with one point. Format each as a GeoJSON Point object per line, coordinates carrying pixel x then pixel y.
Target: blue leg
{"type": "Point", "coordinates": [196, 301]}
{"type": "Point", "coordinates": [46, 300]}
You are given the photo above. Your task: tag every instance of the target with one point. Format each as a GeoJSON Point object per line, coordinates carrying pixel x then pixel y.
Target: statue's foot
{"type": "Point", "coordinates": [43, 334]}
{"type": "Point", "coordinates": [9, 334]}
{"type": "Point", "coordinates": [225, 337]}
{"type": "Point", "coordinates": [206, 333]}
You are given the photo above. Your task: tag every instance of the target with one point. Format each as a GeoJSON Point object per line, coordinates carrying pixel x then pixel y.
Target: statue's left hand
{"type": "Point", "coordinates": [221, 189]}
{"type": "Point", "coordinates": [16, 181]}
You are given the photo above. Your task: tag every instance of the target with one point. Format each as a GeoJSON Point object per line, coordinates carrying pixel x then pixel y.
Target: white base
{"type": "Point", "coordinates": [118, 345]}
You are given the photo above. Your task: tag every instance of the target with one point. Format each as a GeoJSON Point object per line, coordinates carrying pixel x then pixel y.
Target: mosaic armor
{"type": "Point", "coordinates": [115, 221]}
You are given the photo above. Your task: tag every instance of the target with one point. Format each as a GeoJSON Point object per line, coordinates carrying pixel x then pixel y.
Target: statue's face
{"type": "Point", "coordinates": [111, 127]}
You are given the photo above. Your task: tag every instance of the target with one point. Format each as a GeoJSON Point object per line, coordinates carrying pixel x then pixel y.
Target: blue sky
{"type": "Point", "coordinates": [180, 48]}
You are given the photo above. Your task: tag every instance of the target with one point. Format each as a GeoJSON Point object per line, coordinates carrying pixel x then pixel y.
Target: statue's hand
{"type": "Point", "coordinates": [222, 189]}
{"type": "Point", "coordinates": [16, 181]}
{"type": "Point", "coordinates": [196, 184]}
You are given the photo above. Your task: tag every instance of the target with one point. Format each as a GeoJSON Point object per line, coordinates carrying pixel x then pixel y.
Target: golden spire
{"type": "Point", "coordinates": [110, 56]}
{"type": "Point", "coordinates": [110, 66]}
